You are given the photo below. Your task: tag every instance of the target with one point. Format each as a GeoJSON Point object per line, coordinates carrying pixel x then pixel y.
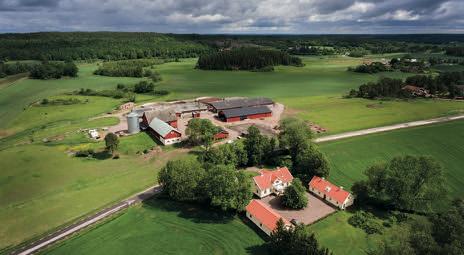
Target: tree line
{"type": "Point", "coordinates": [15, 68]}
{"type": "Point", "coordinates": [96, 45]}
{"type": "Point", "coordinates": [53, 70]}
{"type": "Point", "coordinates": [128, 68]}
{"type": "Point", "coordinates": [246, 59]}
{"type": "Point", "coordinates": [443, 85]}
{"type": "Point", "coordinates": [396, 64]}
{"type": "Point", "coordinates": [455, 51]}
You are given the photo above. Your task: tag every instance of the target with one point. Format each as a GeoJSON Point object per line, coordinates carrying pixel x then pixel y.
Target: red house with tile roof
{"type": "Point", "coordinates": [269, 182]}
{"type": "Point", "coordinates": [333, 194]}
{"type": "Point", "coordinates": [263, 216]}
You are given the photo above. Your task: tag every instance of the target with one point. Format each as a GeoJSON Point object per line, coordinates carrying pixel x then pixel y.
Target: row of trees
{"type": "Point", "coordinates": [374, 67]}
{"type": "Point", "coordinates": [246, 59]}
{"type": "Point", "coordinates": [14, 68]}
{"type": "Point", "coordinates": [455, 51]}
{"type": "Point", "coordinates": [128, 68]}
{"type": "Point", "coordinates": [53, 70]}
{"type": "Point", "coordinates": [443, 85]}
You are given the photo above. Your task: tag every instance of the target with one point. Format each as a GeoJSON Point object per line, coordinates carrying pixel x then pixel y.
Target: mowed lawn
{"type": "Point", "coordinates": [445, 142]}
{"type": "Point", "coordinates": [164, 227]}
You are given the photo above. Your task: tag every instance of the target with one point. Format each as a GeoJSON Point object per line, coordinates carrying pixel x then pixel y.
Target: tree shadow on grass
{"type": "Point", "coordinates": [102, 155]}
{"type": "Point", "coordinates": [196, 212]}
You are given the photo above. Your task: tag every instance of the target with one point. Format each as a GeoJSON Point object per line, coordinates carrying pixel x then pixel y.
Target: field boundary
{"type": "Point", "coordinates": [387, 128]}
{"type": "Point", "coordinates": [64, 232]}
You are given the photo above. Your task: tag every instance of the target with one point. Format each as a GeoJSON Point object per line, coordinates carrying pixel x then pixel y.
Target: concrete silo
{"type": "Point", "coordinates": [133, 125]}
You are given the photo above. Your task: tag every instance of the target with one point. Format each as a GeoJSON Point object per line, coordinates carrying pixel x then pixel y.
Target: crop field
{"type": "Point", "coordinates": [445, 142]}
{"type": "Point", "coordinates": [165, 227]}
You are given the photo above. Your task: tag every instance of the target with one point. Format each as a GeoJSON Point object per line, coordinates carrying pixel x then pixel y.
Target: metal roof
{"type": "Point", "coordinates": [166, 115]}
{"type": "Point", "coordinates": [245, 102]}
{"type": "Point", "coordinates": [161, 127]}
{"type": "Point", "coordinates": [245, 111]}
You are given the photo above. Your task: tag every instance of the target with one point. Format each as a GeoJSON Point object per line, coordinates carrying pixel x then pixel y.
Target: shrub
{"type": "Point", "coordinates": [365, 221]}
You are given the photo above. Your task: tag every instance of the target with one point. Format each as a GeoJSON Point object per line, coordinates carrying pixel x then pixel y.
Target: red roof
{"type": "Point", "coordinates": [264, 214]}
{"type": "Point", "coordinates": [267, 177]}
{"type": "Point", "coordinates": [329, 189]}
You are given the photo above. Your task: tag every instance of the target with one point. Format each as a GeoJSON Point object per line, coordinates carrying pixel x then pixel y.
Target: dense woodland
{"type": "Point", "coordinates": [53, 70]}
{"type": "Point", "coordinates": [246, 59]}
{"type": "Point", "coordinates": [442, 85]}
{"type": "Point", "coordinates": [15, 68]}
{"type": "Point", "coordinates": [455, 51]}
{"type": "Point", "coordinates": [128, 68]}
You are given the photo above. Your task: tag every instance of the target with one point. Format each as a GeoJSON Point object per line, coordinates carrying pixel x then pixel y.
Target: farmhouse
{"type": "Point", "coordinates": [331, 193]}
{"type": "Point", "coordinates": [165, 133]}
{"type": "Point", "coordinates": [237, 114]}
{"type": "Point", "coordinates": [272, 182]}
{"type": "Point", "coordinates": [239, 103]}
{"type": "Point", "coordinates": [166, 116]}
{"type": "Point", "coordinates": [263, 216]}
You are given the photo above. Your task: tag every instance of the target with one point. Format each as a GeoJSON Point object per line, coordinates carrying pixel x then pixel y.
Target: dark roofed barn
{"type": "Point", "coordinates": [240, 103]}
{"type": "Point", "coordinates": [237, 114]}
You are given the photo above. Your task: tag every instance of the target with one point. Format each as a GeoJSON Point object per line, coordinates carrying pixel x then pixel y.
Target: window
{"type": "Point", "coordinates": [260, 224]}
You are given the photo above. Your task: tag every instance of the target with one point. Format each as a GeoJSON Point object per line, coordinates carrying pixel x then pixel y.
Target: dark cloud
{"type": "Point", "coordinates": [239, 16]}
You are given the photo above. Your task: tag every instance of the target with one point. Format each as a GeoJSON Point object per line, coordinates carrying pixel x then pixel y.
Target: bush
{"type": "Point", "coordinates": [365, 221]}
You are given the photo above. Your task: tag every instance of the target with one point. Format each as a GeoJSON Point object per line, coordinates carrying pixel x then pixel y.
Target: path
{"type": "Point", "coordinates": [75, 227]}
{"type": "Point", "coordinates": [387, 128]}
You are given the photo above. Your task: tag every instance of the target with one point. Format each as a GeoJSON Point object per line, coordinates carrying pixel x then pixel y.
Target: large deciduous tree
{"type": "Point", "coordinates": [257, 146]}
{"type": "Point", "coordinates": [182, 180]}
{"type": "Point", "coordinates": [201, 132]}
{"type": "Point", "coordinates": [295, 195]}
{"type": "Point", "coordinates": [408, 182]}
{"type": "Point", "coordinates": [111, 142]}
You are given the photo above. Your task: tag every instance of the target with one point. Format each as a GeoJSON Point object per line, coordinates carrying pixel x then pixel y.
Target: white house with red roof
{"type": "Point", "coordinates": [331, 193]}
{"type": "Point", "coordinates": [272, 182]}
{"type": "Point", "coordinates": [263, 216]}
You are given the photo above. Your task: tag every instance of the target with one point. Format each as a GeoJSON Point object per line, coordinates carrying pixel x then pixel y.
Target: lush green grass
{"type": "Point", "coordinates": [340, 237]}
{"type": "Point", "coordinates": [445, 142]}
{"type": "Point", "coordinates": [338, 114]}
{"type": "Point", "coordinates": [163, 227]}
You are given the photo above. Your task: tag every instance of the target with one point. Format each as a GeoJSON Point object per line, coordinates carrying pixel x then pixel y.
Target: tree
{"type": "Point", "coordinates": [294, 241]}
{"type": "Point", "coordinates": [201, 132]}
{"type": "Point", "coordinates": [226, 154]}
{"type": "Point", "coordinates": [294, 136]}
{"type": "Point", "coordinates": [408, 182]}
{"type": "Point", "coordinates": [295, 195]}
{"type": "Point", "coordinates": [182, 180]}
{"type": "Point", "coordinates": [256, 146]}
{"type": "Point", "coordinates": [310, 162]}
{"type": "Point", "coordinates": [227, 188]}
{"type": "Point", "coordinates": [111, 142]}
{"type": "Point", "coordinates": [144, 87]}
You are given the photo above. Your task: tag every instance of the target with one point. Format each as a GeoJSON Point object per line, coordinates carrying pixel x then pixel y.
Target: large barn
{"type": "Point", "coordinates": [166, 116]}
{"type": "Point", "coordinates": [165, 133]}
{"type": "Point", "coordinates": [237, 114]}
{"type": "Point", "coordinates": [218, 106]}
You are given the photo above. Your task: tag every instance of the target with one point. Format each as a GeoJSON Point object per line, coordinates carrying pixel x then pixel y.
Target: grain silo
{"type": "Point", "coordinates": [133, 125]}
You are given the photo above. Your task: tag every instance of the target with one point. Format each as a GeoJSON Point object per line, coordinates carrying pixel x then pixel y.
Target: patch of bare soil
{"type": "Point", "coordinates": [290, 112]}
{"type": "Point", "coordinates": [316, 128]}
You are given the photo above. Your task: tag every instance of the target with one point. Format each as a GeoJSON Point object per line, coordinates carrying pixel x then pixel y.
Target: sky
{"type": "Point", "coordinates": [235, 16]}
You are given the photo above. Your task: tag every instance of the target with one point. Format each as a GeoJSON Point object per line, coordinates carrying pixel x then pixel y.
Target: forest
{"type": "Point", "coordinates": [255, 59]}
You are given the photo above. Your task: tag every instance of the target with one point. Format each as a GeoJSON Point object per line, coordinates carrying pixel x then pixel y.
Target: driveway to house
{"type": "Point", "coordinates": [387, 128]}
{"type": "Point", "coordinates": [45, 241]}
{"type": "Point", "coordinates": [316, 209]}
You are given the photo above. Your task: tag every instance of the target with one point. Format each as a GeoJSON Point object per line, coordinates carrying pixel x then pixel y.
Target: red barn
{"type": "Point", "coordinates": [238, 114]}
{"type": "Point", "coordinates": [165, 133]}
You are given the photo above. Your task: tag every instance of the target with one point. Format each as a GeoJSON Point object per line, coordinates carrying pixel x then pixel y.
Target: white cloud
{"type": "Point", "coordinates": [353, 12]}
{"type": "Point", "coordinates": [186, 18]}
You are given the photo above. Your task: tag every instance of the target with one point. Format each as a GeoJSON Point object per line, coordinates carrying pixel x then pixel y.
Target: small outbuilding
{"type": "Point", "coordinates": [237, 114]}
{"type": "Point", "coordinates": [263, 216]}
{"type": "Point", "coordinates": [331, 193]}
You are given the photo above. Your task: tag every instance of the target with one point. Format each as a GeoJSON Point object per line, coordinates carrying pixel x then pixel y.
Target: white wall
{"type": "Point", "coordinates": [259, 224]}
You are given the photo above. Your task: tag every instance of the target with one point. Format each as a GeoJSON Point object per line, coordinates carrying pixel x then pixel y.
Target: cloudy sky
{"type": "Point", "coordinates": [234, 16]}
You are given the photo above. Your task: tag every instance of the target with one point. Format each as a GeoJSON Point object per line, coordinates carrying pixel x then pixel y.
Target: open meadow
{"type": "Point", "coordinates": [167, 228]}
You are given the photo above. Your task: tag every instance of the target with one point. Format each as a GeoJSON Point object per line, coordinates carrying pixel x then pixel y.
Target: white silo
{"type": "Point", "coordinates": [133, 125]}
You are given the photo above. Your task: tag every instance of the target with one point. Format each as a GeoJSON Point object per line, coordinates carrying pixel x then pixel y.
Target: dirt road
{"type": "Point", "coordinates": [387, 128]}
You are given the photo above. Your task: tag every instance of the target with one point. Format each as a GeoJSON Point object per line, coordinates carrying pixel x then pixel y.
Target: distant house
{"type": "Point", "coordinates": [238, 114]}
{"type": "Point", "coordinates": [127, 106]}
{"type": "Point", "coordinates": [94, 134]}
{"type": "Point", "coordinates": [217, 106]}
{"type": "Point", "coordinates": [263, 216]}
{"type": "Point", "coordinates": [165, 133]}
{"type": "Point", "coordinates": [272, 182]}
{"type": "Point", "coordinates": [416, 91]}
{"type": "Point", "coordinates": [331, 193]}
{"type": "Point", "coordinates": [166, 116]}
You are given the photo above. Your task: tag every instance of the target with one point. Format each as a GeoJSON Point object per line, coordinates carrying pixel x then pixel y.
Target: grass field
{"type": "Point", "coordinates": [163, 227]}
{"type": "Point", "coordinates": [445, 142]}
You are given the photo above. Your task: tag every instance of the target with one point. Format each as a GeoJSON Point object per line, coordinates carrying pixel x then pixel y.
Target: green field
{"type": "Point", "coordinates": [445, 142]}
{"type": "Point", "coordinates": [163, 227]}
